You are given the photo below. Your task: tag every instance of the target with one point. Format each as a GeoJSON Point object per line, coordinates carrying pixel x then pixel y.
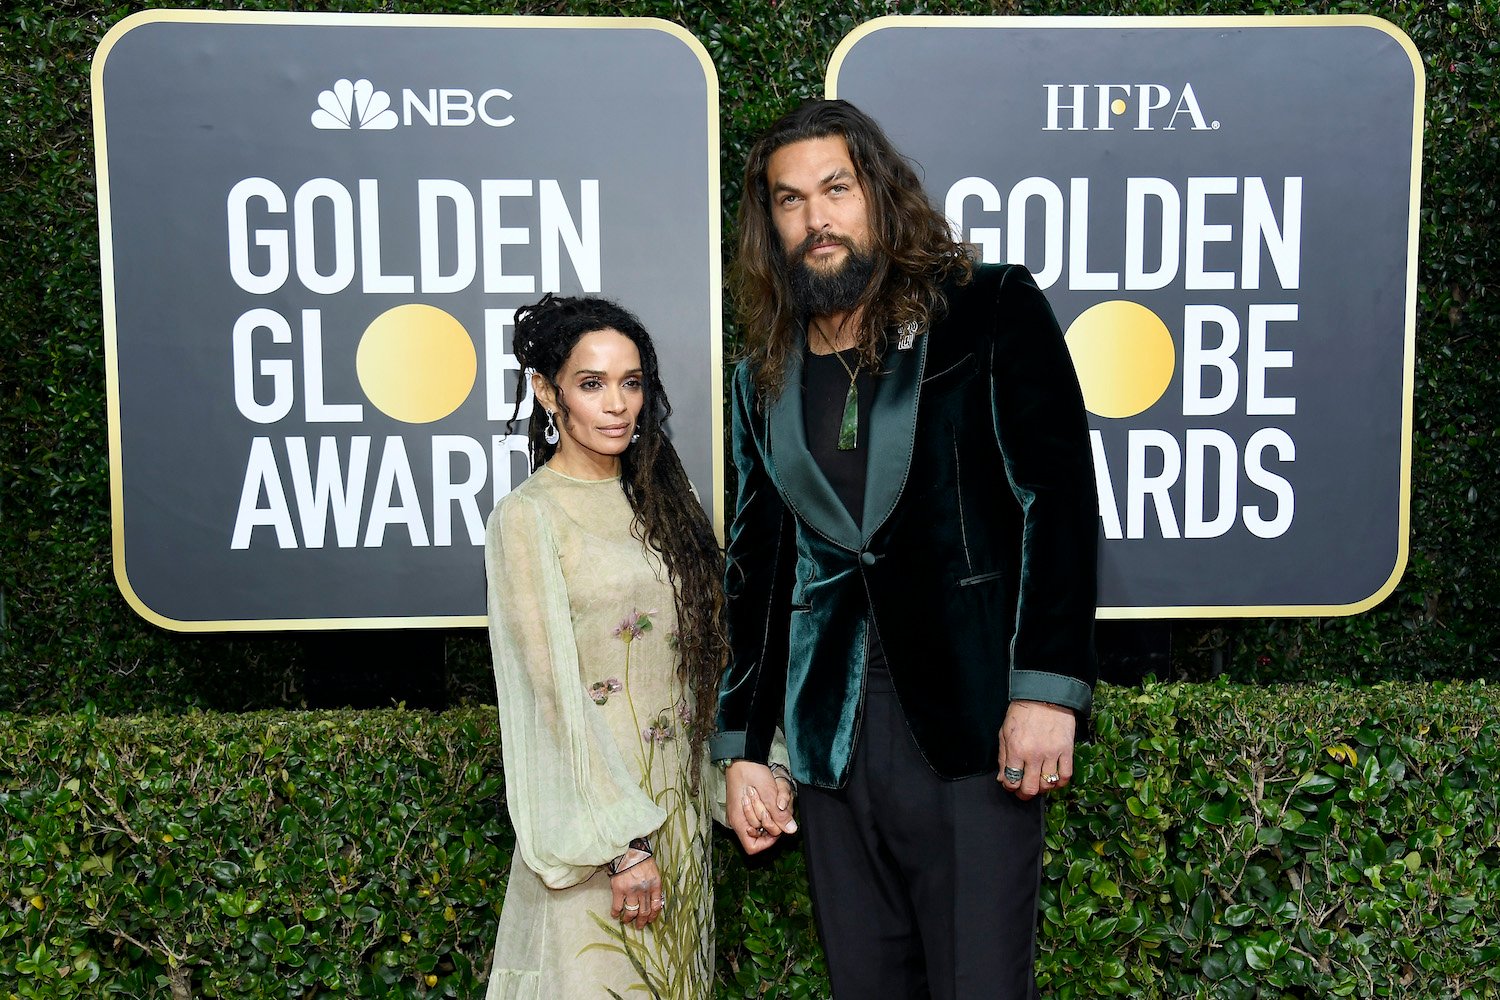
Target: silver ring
{"type": "Point", "coordinates": [1014, 773]}
{"type": "Point", "coordinates": [637, 906]}
{"type": "Point", "coordinates": [1051, 779]}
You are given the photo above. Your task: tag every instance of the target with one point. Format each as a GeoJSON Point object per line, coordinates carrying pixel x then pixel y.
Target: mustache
{"type": "Point", "coordinates": [813, 239]}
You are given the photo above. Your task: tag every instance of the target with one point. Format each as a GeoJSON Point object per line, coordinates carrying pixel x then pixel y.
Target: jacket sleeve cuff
{"type": "Point", "coordinates": [726, 747]}
{"type": "Point", "coordinates": [1056, 689]}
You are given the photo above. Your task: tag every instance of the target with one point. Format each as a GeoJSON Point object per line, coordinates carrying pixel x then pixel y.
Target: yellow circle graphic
{"type": "Point", "coordinates": [1124, 357]}
{"type": "Point", "coordinates": [416, 363]}
{"type": "Point", "coordinates": [1117, 106]}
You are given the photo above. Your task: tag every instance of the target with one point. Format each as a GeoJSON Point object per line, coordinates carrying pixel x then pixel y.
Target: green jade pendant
{"type": "Point", "coordinates": [849, 426]}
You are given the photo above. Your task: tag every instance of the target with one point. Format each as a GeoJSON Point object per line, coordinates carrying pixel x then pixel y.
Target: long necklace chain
{"type": "Point", "coordinates": [849, 424]}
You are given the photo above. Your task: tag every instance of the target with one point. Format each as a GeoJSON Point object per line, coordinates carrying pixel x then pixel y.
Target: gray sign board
{"type": "Point", "coordinates": [1223, 214]}
{"type": "Point", "coordinates": [315, 232]}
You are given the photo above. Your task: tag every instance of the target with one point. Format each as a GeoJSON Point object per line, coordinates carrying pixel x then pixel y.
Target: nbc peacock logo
{"type": "Point", "coordinates": [354, 104]}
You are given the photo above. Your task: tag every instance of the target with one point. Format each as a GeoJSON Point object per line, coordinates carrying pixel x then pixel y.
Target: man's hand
{"type": "Point", "coordinates": [757, 805]}
{"type": "Point", "coordinates": [1037, 739]}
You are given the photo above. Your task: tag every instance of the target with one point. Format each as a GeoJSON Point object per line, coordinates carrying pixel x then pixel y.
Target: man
{"type": "Point", "coordinates": [911, 566]}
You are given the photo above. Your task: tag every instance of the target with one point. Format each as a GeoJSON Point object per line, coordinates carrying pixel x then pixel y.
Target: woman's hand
{"type": "Point", "coordinates": [638, 894]}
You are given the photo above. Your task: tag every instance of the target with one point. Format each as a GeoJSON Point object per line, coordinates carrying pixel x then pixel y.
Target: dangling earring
{"type": "Point", "coordinates": [635, 437]}
{"type": "Point", "coordinates": [549, 433]}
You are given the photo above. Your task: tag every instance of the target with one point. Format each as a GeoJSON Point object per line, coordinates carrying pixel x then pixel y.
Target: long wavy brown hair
{"type": "Point", "coordinates": [915, 253]}
{"type": "Point", "coordinates": [668, 517]}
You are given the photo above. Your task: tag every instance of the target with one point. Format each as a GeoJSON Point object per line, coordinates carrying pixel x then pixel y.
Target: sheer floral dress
{"type": "Point", "coordinates": [592, 713]}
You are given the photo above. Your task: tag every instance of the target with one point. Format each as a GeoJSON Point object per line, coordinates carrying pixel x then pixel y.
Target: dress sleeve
{"type": "Point", "coordinates": [572, 801]}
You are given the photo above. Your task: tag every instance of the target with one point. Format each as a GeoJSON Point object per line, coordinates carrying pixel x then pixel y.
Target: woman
{"type": "Point", "coordinates": [604, 624]}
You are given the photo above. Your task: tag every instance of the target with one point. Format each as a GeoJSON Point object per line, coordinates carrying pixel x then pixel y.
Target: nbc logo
{"type": "Point", "coordinates": [354, 105]}
{"type": "Point", "coordinates": [358, 105]}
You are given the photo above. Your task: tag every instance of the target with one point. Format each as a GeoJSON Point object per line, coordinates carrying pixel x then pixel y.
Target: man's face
{"type": "Point", "coordinates": [818, 206]}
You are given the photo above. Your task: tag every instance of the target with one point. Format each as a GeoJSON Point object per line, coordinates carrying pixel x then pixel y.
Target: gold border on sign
{"type": "Point", "coordinates": [1257, 22]}
{"type": "Point", "coordinates": [106, 265]}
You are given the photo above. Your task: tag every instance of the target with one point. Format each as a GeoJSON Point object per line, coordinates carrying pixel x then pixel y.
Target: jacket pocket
{"type": "Point", "coordinates": [970, 581]}
{"type": "Point", "coordinates": [955, 374]}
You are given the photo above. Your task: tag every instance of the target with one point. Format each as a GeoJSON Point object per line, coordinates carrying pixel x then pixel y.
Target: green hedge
{"type": "Point", "coordinates": [1220, 841]}
{"type": "Point", "coordinates": [66, 636]}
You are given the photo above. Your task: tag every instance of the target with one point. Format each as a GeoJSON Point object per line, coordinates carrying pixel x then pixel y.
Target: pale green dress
{"type": "Point", "coordinates": [592, 719]}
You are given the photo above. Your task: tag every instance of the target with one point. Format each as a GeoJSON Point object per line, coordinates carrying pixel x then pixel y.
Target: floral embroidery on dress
{"type": "Point", "coordinates": [660, 731]}
{"type": "Point", "coordinates": [633, 625]}
{"type": "Point", "coordinates": [681, 955]}
{"type": "Point", "coordinates": [664, 728]}
{"type": "Point", "coordinates": [600, 691]}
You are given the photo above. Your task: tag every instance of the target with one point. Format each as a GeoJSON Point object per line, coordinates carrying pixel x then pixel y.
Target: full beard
{"type": "Point", "coordinates": [824, 293]}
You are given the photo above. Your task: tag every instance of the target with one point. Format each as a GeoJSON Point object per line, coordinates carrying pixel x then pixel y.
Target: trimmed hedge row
{"type": "Point", "coordinates": [66, 636]}
{"type": "Point", "coordinates": [1220, 841]}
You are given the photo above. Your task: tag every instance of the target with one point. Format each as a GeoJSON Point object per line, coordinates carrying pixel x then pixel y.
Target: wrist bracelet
{"type": "Point", "coordinates": [639, 850]}
{"type": "Point", "coordinates": [780, 770]}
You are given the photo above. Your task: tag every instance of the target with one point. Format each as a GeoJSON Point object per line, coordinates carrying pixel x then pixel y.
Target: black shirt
{"type": "Point", "coordinates": [825, 386]}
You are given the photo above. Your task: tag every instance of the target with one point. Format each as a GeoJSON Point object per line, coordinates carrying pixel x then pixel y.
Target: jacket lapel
{"type": "Point", "coordinates": [799, 478]}
{"type": "Point", "coordinates": [893, 426]}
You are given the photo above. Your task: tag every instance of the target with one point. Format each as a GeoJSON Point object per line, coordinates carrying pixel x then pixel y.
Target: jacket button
{"type": "Point", "coordinates": [868, 558]}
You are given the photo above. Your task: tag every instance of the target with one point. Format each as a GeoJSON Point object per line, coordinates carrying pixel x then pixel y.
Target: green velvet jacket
{"type": "Point", "coordinates": [974, 557]}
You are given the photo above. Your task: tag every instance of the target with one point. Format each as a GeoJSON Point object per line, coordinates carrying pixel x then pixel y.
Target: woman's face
{"type": "Point", "coordinates": [603, 390]}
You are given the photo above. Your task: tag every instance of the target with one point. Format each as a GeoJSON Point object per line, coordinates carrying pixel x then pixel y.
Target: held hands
{"type": "Point", "coordinates": [757, 805]}
{"type": "Point", "coordinates": [1037, 740]}
{"type": "Point", "coordinates": [638, 895]}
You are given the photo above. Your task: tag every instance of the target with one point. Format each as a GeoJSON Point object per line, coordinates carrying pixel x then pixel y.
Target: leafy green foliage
{"type": "Point", "coordinates": [767, 940]}
{"type": "Point", "coordinates": [255, 855]}
{"type": "Point", "coordinates": [1230, 841]}
{"type": "Point", "coordinates": [1219, 841]}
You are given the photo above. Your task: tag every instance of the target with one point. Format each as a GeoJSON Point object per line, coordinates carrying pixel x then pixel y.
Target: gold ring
{"type": "Point", "coordinates": [1050, 779]}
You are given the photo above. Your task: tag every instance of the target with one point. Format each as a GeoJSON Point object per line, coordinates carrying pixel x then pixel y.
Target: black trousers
{"type": "Point", "coordinates": [922, 888]}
